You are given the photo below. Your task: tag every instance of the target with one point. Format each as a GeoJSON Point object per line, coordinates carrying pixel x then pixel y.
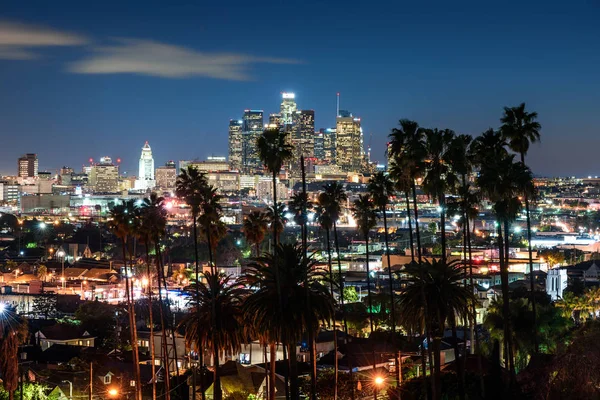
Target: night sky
{"type": "Point", "coordinates": [81, 79]}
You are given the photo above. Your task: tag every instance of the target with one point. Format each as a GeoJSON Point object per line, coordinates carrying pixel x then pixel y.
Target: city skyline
{"type": "Point", "coordinates": [451, 72]}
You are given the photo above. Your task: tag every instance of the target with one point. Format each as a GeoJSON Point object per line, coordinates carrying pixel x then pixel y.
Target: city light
{"type": "Point", "coordinates": [379, 380]}
{"type": "Point", "coordinates": [113, 392]}
{"type": "Point", "coordinates": [2, 307]}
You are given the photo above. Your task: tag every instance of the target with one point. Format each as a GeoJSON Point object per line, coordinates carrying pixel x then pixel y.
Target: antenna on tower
{"type": "Point", "coordinates": [337, 109]}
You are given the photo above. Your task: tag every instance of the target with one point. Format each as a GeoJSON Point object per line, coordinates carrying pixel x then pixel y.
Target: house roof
{"type": "Point", "coordinates": [74, 273]}
{"type": "Point", "coordinates": [100, 273]}
{"type": "Point", "coordinates": [64, 332]}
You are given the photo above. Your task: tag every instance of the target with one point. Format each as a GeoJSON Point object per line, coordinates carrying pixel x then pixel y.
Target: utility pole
{"type": "Point", "coordinates": [91, 381]}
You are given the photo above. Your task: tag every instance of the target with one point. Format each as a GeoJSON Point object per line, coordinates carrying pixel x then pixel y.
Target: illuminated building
{"type": "Point", "coordinates": [211, 164]}
{"type": "Point", "coordinates": [104, 176]}
{"type": "Point", "coordinates": [28, 166]}
{"type": "Point", "coordinates": [349, 143]}
{"type": "Point", "coordinates": [288, 108]}
{"type": "Point", "coordinates": [145, 178]}
{"type": "Point", "coordinates": [166, 176]}
{"type": "Point", "coordinates": [319, 145]}
{"type": "Point", "coordinates": [275, 121]}
{"type": "Point", "coordinates": [252, 128]}
{"type": "Point", "coordinates": [235, 144]}
{"type": "Point", "coordinates": [329, 153]}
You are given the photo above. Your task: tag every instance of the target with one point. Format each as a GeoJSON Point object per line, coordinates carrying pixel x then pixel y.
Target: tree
{"type": "Point", "coordinates": [13, 332]}
{"type": "Point", "coordinates": [255, 227]}
{"type": "Point", "coordinates": [42, 274]}
{"type": "Point", "coordinates": [220, 300]}
{"type": "Point", "coordinates": [446, 296]}
{"type": "Point", "coordinates": [190, 187]}
{"type": "Point", "coordinates": [98, 318]}
{"type": "Point", "coordinates": [520, 129]}
{"type": "Point", "coordinates": [287, 323]}
{"type": "Point", "coordinates": [381, 189]}
{"type": "Point", "coordinates": [124, 222]}
{"type": "Point", "coordinates": [276, 216]}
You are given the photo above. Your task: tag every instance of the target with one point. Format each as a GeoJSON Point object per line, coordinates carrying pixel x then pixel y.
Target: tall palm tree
{"type": "Point", "coordinates": [381, 189]}
{"type": "Point", "coordinates": [306, 302]}
{"type": "Point", "coordinates": [439, 178]}
{"type": "Point", "coordinates": [255, 227]}
{"type": "Point", "coordinates": [366, 219]}
{"type": "Point", "coordinates": [220, 300]}
{"type": "Point", "coordinates": [332, 200]}
{"type": "Point", "coordinates": [274, 150]}
{"type": "Point", "coordinates": [326, 224]}
{"type": "Point", "coordinates": [13, 333]}
{"type": "Point", "coordinates": [520, 129]}
{"type": "Point", "coordinates": [190, 187]}
{"type": "Point", "coordinates": [299, 206]}
{"type": "Point", "coordinates": [446, 297]}
{"type": "Point", "coordinates": [124, 223]}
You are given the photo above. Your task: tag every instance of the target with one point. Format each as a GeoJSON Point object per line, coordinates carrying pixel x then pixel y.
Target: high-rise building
{"type": "Point", "coordinates": [304, 122]}
{"type": "Point", "coordinates": [145, 178]}
{"type": "Point", "coordinates": [166, 176]}
{"type": "Point", "coordinates": [349, 143]}
{"type": "Point", "coordinates": [275, 120]}
{"type": "Point", "coordinates": [319, 145]}
{"type": "Point", "coordinates": [329, 145]}
{"type": "Point", "coordinates": [28, 166]}
{"type": "Point", "coordinates": [104, 176]}
{"type": "Point", "coordinates": [252, 128]}
{"type": "Point", "coordinates": [235, 144]}
{"type": "Point", "coordinates": [288, 108]}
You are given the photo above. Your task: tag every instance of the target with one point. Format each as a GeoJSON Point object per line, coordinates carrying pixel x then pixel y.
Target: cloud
{"type": "Point", "coordinates": [147, 57]}
{"type": "Point", "coordinates": [18, 41]}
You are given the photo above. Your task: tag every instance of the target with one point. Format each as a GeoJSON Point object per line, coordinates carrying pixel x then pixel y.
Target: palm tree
{"type": "Point", "coordinates": [190, 187]}
{"type": "Point", "coordinates": [220, 300]}
{"type": "Point", "coordinates": [326, 223]}
{"type": "Point", "coordinates": [42, 275]}
{"type": "Point", "coordinates": [305, 301]}
{"type": "Point", "coordinates": [366, 219]}
{"type": "Point", "coordinates": [299, 206]}
{"type": "Point", "coordinates": [332, 200]}
{"type": "Point", "coordinates": [520, 129]}
{"type": "Point", "coordinates": [276, 216]}
{"type": "Point", "coordinates": [381, 189]}
{"type": "Point", "coordinates": [13, 333]}
{"type": "Point", "coordinates": [446, 297]}
{"type": "Point", "coordinates": [274, 150]}
{"type": "Point", "coordinates": [439, 178]}
{"type": "Point", "coordinates": [255, 227]}
{"type": "Point", "coordinates": [124, 223]}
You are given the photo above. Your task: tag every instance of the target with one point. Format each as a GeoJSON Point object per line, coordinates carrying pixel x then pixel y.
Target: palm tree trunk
{"type": "Point", "coordinates": [132, 326]}
{"type": "Point", "coordinates": [437, 374]}
{"type": "Point", "coordinates": [536, 346]}
{"type": "Point", "coordinates": [410, 231]}
{"type": "Point", "coordinates": [335, 338]}
{"type": "Point", "coordinates": [217, 392]}
{"type": "Point", "coordinates": [370, 300]}
{"type": "Point", "coordinates": [505, 297]}
{"type": "Point", "coordinates": [443, 226]}
{"type": "Point", "coordinates": [420, 254]}
{"type": "Point", "coordinates": [345, 321]}
{"type": "Point", "coordinates": [457, 363]}
{"type": "Point", "coordinates": [392, 300]}
{"type": "Point", "coordinates": [511, 356]}
{"type": "Point", "coordinates": [200, 350]}
{"type": "Point", "coordinates": [279, 297]}
{"type": "Point", "coordinates": [294, 388]}
{"type": "Point", "coordinates": [151, 318]}
{"type": "Point", "coordinates": [474, 333]}
{"type": "Point", "coordinates": [272, 362]}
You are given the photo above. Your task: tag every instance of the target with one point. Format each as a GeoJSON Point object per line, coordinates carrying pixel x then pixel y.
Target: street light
{"type": "Point", "coordinates": [70, 388]}
{"type": "Point", "coordinates": [62, 254]}
{"type": "Point", "coordinates": [113, 392]}
{"type": "Point", "coordinates": [379, 380]}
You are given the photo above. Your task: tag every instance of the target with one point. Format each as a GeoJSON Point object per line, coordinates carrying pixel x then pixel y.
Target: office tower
{"type": "Point", "coordinates": [304, 132]}
{"type": "Point", "coordinates": [252, 128]}
{"type": "Point", "coordinates": [288, 108]}
{"type": "Point", "coordinates": [104, 176]}
{"type": "Point", "coordinates": [145, 178]}
{"type": "Point", "coordinates": [319, 145]}
{"type": "Point", "coordinates": [235, 144]}
{"type": "Point", "coordinates": [166, 176]}
{"type": "Point", "coordinates": [275, 120]}
{"type": "Point", "coordinates": [349, 143]}
{"type": "Point", "coordinates": [329, 145]}
{"type": "Point", "coordinates": [28, 166]}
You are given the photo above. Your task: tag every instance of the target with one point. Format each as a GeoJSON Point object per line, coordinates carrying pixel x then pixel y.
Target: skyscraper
{"type": "Point", "coordinates": [28, 166]}
{"type": "Point", "coordinates": [235, 144]}
{"type": "Point", "coordinates": [288, 108]}
{"type": "Point", "coordinates": [252, 128]}
{"type": "Point", "coordinates": [166, 176]}
{"type": "Point", "coordinates": [104, 176]}
{"type": "Point", "coordinates": [145, 178]}
{"type": "Point", "coordinates": [319, 145]}
{"type": "Point", "coordinates": [304, 132]}
{"type": "Point", "coordinates": [329, 145]}
{"type": "Point", "coordinates": [349, 143]}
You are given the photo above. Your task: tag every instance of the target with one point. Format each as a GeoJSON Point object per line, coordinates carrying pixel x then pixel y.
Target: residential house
{"type": "Point", "coordinates": [64, 334]}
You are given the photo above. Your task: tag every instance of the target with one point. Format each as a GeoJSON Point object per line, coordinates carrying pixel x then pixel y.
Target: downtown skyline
{"type": "Point", "coordinates": [452, 75]}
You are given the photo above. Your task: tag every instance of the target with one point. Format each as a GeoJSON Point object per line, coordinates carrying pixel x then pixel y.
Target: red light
{"type": "Point", "coordinates": [91, 160]}
{"type": "Point", "coordinates": [118, 160]}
